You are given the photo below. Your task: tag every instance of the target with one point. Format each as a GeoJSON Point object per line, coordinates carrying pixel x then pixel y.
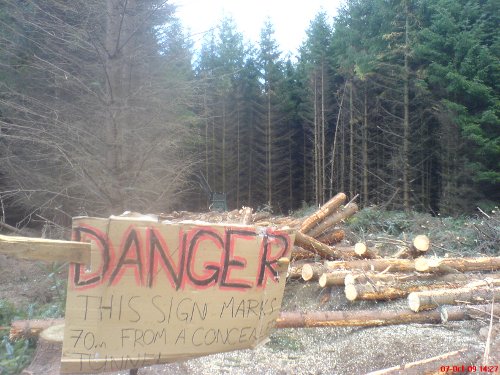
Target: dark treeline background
{"type": "Point", "coordinates": [105, 106]}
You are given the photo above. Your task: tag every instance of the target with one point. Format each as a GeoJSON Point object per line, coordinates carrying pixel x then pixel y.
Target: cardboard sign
{"type": "Point", "coordinates": [162, 292]}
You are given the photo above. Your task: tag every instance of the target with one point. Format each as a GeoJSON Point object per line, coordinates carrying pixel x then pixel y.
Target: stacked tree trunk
{"type": "Point", "coordinates": [321, 236]}
{"type": "Point", "coordinates": [427, 282]}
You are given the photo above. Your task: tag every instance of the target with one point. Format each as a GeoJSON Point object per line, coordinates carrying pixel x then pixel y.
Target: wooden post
{"type": "Point", "coordinates": [46, 250]}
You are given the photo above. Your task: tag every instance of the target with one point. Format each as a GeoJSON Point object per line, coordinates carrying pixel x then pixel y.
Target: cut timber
{"type": "Point", "coordinates": [334, 219]}
{"type": "Point", "coordinates": [47, 359]}
{"type": "Point", "coordinates": [374, 292]}
{"type": "Point", "coordinates": [458, 358]}
{"type": "Point", "coordinates": [313, 245]}
{"type": "Point", "coordinates": [323, 212]}
{"type": "Point", "coordinates": [478, 292]}
{"type": "Point", "coordinates": [333, 278]}
{"type": "Point", "coordinates": [333, 237]}
{"type": "Point", "coordinates": [421, 243]}
{"type": "Point", "coordinates": [371, 318]}
{"type": "Point", "coordinates": [363, 251]}
{"type": "Point", "coordinates": [341, 318]}
{"type": "Point", "coordinates": [448, 265]}
{"type": "Point", "coordinates": [30, 328]}
{"type": "Point", "coordinates": [299, 254]}
{"type": "Point", "coordinates": [373, 277]}
{"type": "Point", "coordinates": [312, 271]}
{"type": "Point", "coordinates": [375, 265]}
{"type": "Point", "coordinates": [46, 250]}
{"type": "Point", "coordinates": [417, 248]}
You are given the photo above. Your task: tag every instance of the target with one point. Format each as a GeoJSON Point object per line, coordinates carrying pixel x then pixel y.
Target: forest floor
{"type": "Point", "coordinates": [32, 290]}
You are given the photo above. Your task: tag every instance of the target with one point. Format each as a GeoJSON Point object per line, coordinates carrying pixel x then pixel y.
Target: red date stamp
{"type": "Point", "coordinates": [473, 369]}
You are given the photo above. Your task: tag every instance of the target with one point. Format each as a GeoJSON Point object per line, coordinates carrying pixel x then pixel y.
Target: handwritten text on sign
{"type": "Point", "coordinates": [159, 293]}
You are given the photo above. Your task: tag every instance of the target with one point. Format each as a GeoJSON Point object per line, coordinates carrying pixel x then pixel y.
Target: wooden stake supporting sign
{"type": "Point", "coordinates": [45, 249]}
{"type": "Point", "coordinates": [160, 293]}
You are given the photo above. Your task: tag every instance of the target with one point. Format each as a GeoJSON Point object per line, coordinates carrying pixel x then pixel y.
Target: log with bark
{"type": "Point", "coordinates": [372, 318]}
{"type": "Point", "coordinates": [329, 207]}
{"type": "Point", "coordinates": [333, 278]}
{"type": "Point", "coordinates": [332, 237]}
{"type": "Point", "coordinates": [313, 245]}
{"type": "Point", "coordinates": [417, 248]}
{"type": "Point", "coordinates": [312, 271]}
{"type": "Point", "coordinates": [360, 318]}
{"type": "Point", "coordinates": [449, 265]}
{"type": "Point", "coordinates": [300, 254]}
{"type": "Point", "coordinates": [363, 251]}
{"type": "Point", "coordinates": [381, 292]}
{"type": "Point", "coordinates": [47, 358]}
{"type": "Point", "coordinates": [389, 277]}
{"type": "Point", "coordinates": [333, 219]}
{"type": "Point", "coordinates": [374, 265]}
{"type": "Point", "coordinates": [477, 292]}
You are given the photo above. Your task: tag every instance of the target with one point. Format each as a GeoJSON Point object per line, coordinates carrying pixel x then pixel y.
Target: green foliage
{"type": "Point", "coordinates": [374, 220]}
{"type": "Point", "coordinates": [14, 356]}
{"type": "Point", "coordinates": [455, 236]}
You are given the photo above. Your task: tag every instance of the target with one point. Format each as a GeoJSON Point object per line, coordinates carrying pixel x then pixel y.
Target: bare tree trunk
{"type": "Point", "coordinates": [365, 148]}
{"type": "Point", "coordinates": [269, 151]}
{"type": "Point", "coordinates": [406, 120]}
{"type": "Point", "coordinates": [323, 126]}
{"type": "Point", "coordinates": [351, 140]}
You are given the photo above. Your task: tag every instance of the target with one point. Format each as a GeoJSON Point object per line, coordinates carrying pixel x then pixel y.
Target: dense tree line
{"type": "Point", "coordinates": [104, 107]}
{"type": "Point", "coordinates": [396, 101]}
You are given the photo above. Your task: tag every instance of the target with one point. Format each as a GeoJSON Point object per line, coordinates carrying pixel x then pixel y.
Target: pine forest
{"type": "Point", "coordinates": [108, 106]}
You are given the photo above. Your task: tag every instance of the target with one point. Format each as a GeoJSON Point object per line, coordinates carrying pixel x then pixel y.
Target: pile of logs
{"type": "Point", "coordinates": [426, 282]}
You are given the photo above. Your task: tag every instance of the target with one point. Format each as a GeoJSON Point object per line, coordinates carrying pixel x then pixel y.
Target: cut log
{"type": "Point", "coordinates": [47, 359]}
{"type": "Point", "coordinates": [333, 278]}
{"type": "Point", "coordinates": [312, 271]}
{"type": "Point", "coordinates": [31, 328]}
{"type": "Point", "coordinates": [300, 254]}
{"type": "Point", "coordinates": [334, 219]}
{"type": "Point", "coordinates": [421, 243]}
{"type": "Point", "coordinates": [313, 245]}
{"type": "Point", "coordinates": [333, 318]}
{"type": "Point", "coordinates": [44, 249]}
{"type": "Point", "coordinates": [363, 251]}
{"type": "Point", "coordinates": [374, 292]}
{"type": "Point", "coordinates": [417, 248]}
{"type": "Point", "coordinates": [375, 265]}
{"type": "Point", "coordinates": [449, 362]}
{"type": "Point", "coordinates": [295, 271]}
{"type": "Point", "coordinates": [333, 237]}
{"type": "Point", "coordinates": [476, 293]}
{"type": "Point", "coordinates": [356, 277]}
{"type": "Point", "coordinates": [323, 212]}
{"type": "Point", "coordinates": [372, 318]}
{"type": "Point", "coordinates": [448, 265]}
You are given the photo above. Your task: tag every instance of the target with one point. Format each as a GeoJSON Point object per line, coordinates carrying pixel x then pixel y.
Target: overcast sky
{"type": "Point", "coordinates": [290, 17]}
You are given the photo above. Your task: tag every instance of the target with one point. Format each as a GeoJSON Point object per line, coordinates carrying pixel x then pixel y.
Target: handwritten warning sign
{"type": "Point", "coordinates": [159, 292]}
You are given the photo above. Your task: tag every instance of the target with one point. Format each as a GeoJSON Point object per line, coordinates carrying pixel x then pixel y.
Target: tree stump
{"type": "Point", "coordinates": [47, 359]}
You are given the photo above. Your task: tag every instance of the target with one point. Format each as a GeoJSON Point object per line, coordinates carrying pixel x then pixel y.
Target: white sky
{"type": "Point", "coordinates": [290, 17]}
